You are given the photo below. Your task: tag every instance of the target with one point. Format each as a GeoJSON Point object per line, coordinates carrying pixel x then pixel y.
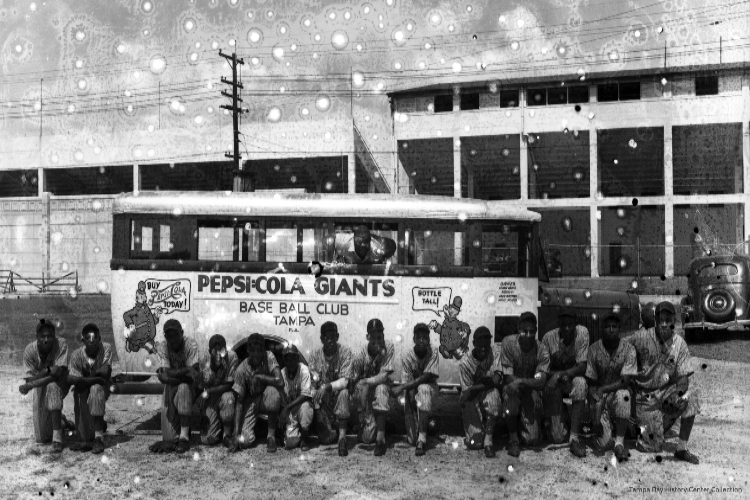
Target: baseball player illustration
{"type": "Point", "coordinates": [454, 334]}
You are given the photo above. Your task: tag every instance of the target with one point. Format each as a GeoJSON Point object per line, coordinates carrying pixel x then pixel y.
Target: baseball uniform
{"type": "Point", "coordinates": [487, 402]}
{"type": "Point", "coordinates": [90, 402]}
{"type": "Point", "coordinates": [658, 403]}
{"type": "Point", "coordinates": [51, 396]}
{"type": "Point", "coordinates": [333, 406]}
{"type": "Point", "coordinates": [604, 370]}
{"type": "Point", "coordinates": [371, 400]}
{"type": "Point", "coordinates": [255, 396]}
{"type": "Point", "coordinates": [300, 417]}
{"type": "Point", "coordinates": [523, 402]}
{"type": "Point", "coordinates": [562, 357]}
{"type": "Point", "coordinates": [418, 403]}
{"type": "Point", "coordinates": [218, 409]}
{"type": "Point", "coordinates": [177, 400]}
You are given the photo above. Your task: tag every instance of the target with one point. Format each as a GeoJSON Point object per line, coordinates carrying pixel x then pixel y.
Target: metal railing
{"type": "Point", "coordinates": [46, 283]}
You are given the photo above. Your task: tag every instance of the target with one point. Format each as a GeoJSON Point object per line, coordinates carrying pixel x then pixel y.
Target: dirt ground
{"type": "Point", "coordinates": [721, 438]}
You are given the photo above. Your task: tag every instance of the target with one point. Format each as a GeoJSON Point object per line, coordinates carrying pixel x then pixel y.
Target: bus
{"type": "Point", "coordinates": [282, 264]}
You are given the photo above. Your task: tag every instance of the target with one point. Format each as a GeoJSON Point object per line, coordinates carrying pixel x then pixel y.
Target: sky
{"type": "Point", "coordinates": [105, 82]}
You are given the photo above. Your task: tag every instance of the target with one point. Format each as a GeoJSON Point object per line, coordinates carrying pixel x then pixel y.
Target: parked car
{"type": "Point", "coordinates": [718, 295]}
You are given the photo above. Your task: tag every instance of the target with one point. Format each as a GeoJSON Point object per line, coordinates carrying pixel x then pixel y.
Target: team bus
{"type": "Point", "coordinates": [282, 264]}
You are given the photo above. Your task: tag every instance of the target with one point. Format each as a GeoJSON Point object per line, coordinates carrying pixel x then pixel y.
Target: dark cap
{"type": "Point", "coordinates": [527, 316]}
{"type": "Point", "coordinates": [664, 306]}
{"type": "Point", "coordinates": [611, 316]}
{"type": "Point", "coordinates": [567, 311]}
{"type": "Point", "coordinates": [374, 325]}
{"type": "Point", "coordinates": [329, 327]}
{"type": "Point", "coordinates": [217, 342]}
{"type": "Point", "coordinates": [481, 333]}
{"type": "Point", "coordinates": [256, 338]}
{"type": "Point", "coordinates": [290, 349]}
{"type": "Point", "coordinates": [45, 325]}
{"type": "Point", "coordinates": [172, 325]}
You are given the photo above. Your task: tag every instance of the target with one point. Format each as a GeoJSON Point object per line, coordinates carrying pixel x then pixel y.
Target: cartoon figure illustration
{"type": "Point", "coordinates": [454, 334]}
{"type": "Point", "coordinates": [141, 323]}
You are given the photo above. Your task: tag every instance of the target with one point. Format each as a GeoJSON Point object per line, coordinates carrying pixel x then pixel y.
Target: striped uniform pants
{"type": "Point", "coordinates": [217, 411]}
{"type": "Point", "coordinates": [657, 411]}
{"type": "Point", "coordinates": [267, 402]}
{"type": "Point", "coordinates": [370, 401]}
{"type": "Point", "coordinates": [418, 406]}
{"type": "Point", "coordinates": [552, 398]}
{"type": "Point", "coordinates": [613, 406]}
{"type": "Point", "coordinates": [87, 404]}
{"type": "Point", "coordinates": [45, 400]}
{"type": "Point", "coordinates": [299, 419]}
{"type": "Point", "coordinates": [177, 401]}
{"type": "Point", "coordinates": [334, 408]}
{"type": "Point", "coordinates": [475, 413]}
{"type": "Point", "coordinates": [522, 404]}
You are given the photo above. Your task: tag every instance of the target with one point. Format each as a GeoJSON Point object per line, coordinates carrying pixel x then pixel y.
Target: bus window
{"type": "Point", "coordinates": [382, 243]}
{"type": "Point", "coordinates": [505, 249]}
{"type": "Point", "coordinates": [281, 242]}
{"type": "Point", "coordinates": [215, 243]}
{"type": "Point", "coordinates": [228, 241]}
{"type": "Point", "coordinates": [159, 239]}
{"type": "Point", "coordinates": [441, 245]}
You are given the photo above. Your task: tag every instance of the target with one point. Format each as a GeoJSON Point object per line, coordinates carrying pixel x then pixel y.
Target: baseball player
{"type": "Point", "coordinates": [216, 400]}
{"type": "Point", "coordinates": [662, 392]}
{"type": "Point", "coordinates": [420, 371]}
{"type": "Point", "coordinates": [480, 399]}
{"type": "Point", "coordinates": [610, 368]}
{"type": "Point", "coordinates": [179, 372]}
{"type": "Point", "coordinates": [525, 366]}
{"type": "Point", "coordinates": [46, 361]}
{"type": "Point", "coordinates": [297, 410]}
{"type": "Point", "coordinates": [372, 367]}
{"type": "Point", "coordinates": [567, 347]}
{"type": "Point", "coordinates": [89, 371]}
{"type": "Point", "coordinates": [257, 386]}
{"type": "Point", "coordinates": [330, 367]}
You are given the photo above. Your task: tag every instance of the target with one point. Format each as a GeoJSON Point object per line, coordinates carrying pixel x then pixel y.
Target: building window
{"type": "Point", "coordinates": [631, 241]}
{"type": "Point", "coordinates": [537, 97]}
{"type": "Point", "coordinates": [707, 159]}
{"type": "Point", "coordinates": [578, 93]}
{"type": "Point", "coordinates": [631, 161]}
{"type": "Point", "coordinates": [509, 98]}
{"type": "Point", "coordinates": [630, 91]}
{"type": "Point", "coordinates": [469, 101]}
{"type": "Point", "coordinates": [706, 85]}
{"type": "Point", "coordinates": [619, 91]}
{"type": "Point", "coordinates": [557, 96]}
{"type": "Point", "coordinates": [607, 92]}
{"type": "Point", "coordinates": [443, 103]}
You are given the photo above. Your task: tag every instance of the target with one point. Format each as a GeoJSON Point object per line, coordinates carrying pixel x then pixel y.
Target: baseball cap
{"type": "Point", "coordinates": [613, 316]}
{"type": "Point", "coordinates": [527, 316]}
{"type": "Point", "coordinates": [482, 332]}
{"type": "Point", "coordinates": [664, 306]}
{"type": "Point", "coordinates": [567, 311]}
{"type": "Point", "coordinates": [256, 338]}
{"type": "Point", "coordinates": [374, 325]}
{"type": "Point", "coordinates": [290, 349]}
{"type": "Point", "coordinates": [329, 327]}
{"type": "Point", "coordinates": [172, 325]}
{"type": "Point", "coordinates": [217, 342]}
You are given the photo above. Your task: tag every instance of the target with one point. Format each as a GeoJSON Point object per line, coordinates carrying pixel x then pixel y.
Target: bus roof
{"type": "Point", "coordinates": [299, 205]}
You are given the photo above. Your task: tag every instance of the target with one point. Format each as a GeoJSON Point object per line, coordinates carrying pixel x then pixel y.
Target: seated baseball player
{"type": "Point", "coordinates": [179, 372]}
{"type": "Point", "coordinates": [524, 366]}
{"type": "Point", "coordinates": [420, 371]}
{"type": "Point", "coordinates": [46, 362]}
{"type": "Point", "coordinates": [297, 411]}
{"type": "Point", "coordinates": [330, 368]}
{"type": "Point", "coordinates": [480, 398]}
{"type": "Point", "coordinates": [216, 399]}
{"type": "Point", "coordinates": [89, 371]}
{"type": "Point", "coordinates": [662, 387]}
{"type": "Point", "coordinates": [257, 386]}
{"type": "Point", "coordinates": [372, 367]}
{"type": "Point", "coordinates": [610, 368]}
{"type": "Point", "coordinates": [567, 347]}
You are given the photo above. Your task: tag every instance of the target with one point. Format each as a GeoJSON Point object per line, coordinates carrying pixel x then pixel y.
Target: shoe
{"type": "Point", "coordinates": [686, 456]}
{"type": "Point", "coordinates": [83, 447]}
{"type": "Point", "coordinates": [98, 446]}
{"type": "Point", "coordinates": [271, 445]}
{"type": "Point", "coordinates": [420, 449]}
{"type": "Point", "coordinates": [620, 454]}
{"type": "Point", "coordinates": [489, 452]}
{"type": "Point", "coordinates": [226, 441]}
{"type": "Point", "coordinates": [304, 444]}
{"type": "Point", "coordinates": [343, 451]}
{"type": "Point", "coordinates": [57, 447]}
{"type": "Point", "coordinates": [514, 449]}
{"type": "Point", "coordinates": [182, 446]}
{"type": "Point", "coordinates": [577, 449]}
{"type": "Point", "coordinates": [380, 448]}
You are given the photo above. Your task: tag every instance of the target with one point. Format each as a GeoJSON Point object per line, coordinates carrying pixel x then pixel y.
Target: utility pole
{"type": "Point", "coordinates": [239, 175]}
